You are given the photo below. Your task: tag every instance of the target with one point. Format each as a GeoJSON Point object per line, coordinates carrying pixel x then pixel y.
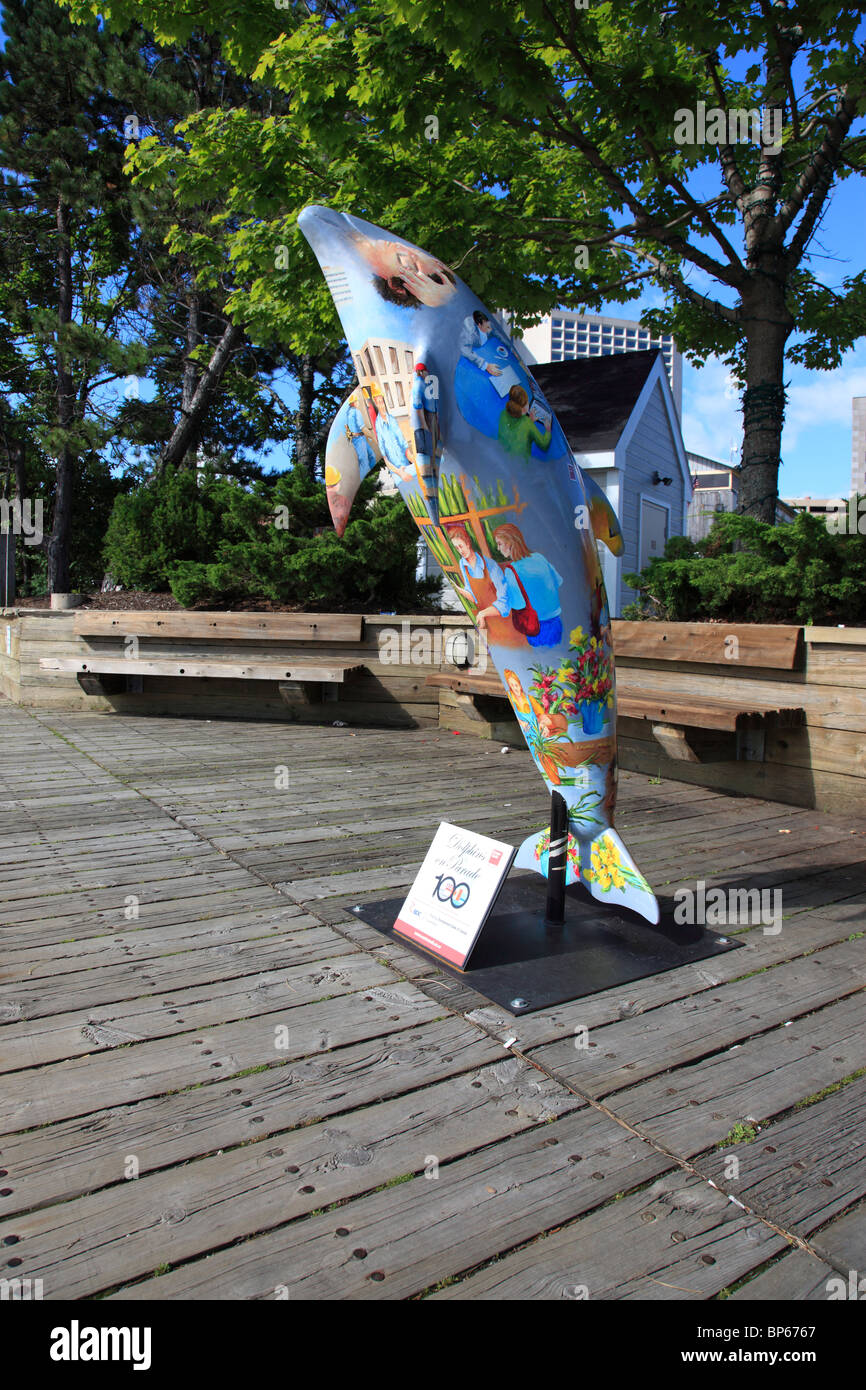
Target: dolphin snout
{"type": "Point", "coordinates": [317, 221]}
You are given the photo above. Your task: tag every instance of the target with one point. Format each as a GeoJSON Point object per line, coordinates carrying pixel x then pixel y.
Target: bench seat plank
{"type": "Point", "coordinates": [702, 712]}
{"type": "Point", "coordinates": [469, 683]}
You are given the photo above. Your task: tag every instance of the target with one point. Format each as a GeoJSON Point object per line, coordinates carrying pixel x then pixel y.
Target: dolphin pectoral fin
{"type": "Point", "coordinates": [533, 854]}
{"type": "Point", "coordinates": [341, 478]}
{"type": "Point", "coordinates": [612, 876]}
{"type": "Point", "coordinates": [349, 457]}
{"type": "Point", "coordinates": [604, 520]}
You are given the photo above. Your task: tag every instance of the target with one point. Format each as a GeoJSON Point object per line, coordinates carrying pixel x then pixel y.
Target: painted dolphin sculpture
{"type": "Point", "coordinates": [446, 403]}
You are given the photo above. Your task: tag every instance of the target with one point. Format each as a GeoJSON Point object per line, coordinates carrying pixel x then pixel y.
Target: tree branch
{"type": "Point", "coordinates": [823, 160]}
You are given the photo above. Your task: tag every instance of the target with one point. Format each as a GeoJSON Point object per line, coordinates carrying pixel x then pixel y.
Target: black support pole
{"type": "Point", "coordinates": [556, 862]}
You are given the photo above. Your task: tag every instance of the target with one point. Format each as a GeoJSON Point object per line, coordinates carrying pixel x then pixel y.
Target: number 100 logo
{"type": "Point", "coordinates": [447, 890]}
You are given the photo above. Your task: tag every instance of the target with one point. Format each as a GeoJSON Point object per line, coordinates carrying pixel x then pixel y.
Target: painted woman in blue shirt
{"type": "Point", "coordinates": [539, 580]}
{"type": "Point", "coordinates": [485, 587]}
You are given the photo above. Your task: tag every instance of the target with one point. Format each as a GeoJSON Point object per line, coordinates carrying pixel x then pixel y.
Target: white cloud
{"type": "Point", "coordinates": [819, 399]}
{"type": "Point", "coordinates": [712, 423]}
{"type": "Point", "coordinates": [816, 441]}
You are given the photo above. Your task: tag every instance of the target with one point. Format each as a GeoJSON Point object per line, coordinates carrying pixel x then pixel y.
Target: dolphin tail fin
{"type": "Point", "coordinates": [612, 876]}
{"type": "Point", "coordinates": [603, 864]}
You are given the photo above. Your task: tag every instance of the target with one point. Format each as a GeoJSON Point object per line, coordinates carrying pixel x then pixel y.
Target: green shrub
{"type": "Point", "coordinates": [212, 541]}
{"type": "Point", "coordinates": [748, 571]}
{"type": "Point", "coordinates": [165, 519]}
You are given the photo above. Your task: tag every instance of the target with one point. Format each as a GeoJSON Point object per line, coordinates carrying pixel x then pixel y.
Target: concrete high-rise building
{"type": "Point", "coordinates": [858, 445]}
{"type": "Point", "coordinates": [566, 335]}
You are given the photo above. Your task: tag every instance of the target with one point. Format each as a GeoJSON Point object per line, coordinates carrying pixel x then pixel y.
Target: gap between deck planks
{"type": "Point", "coordinates": [184, 796]}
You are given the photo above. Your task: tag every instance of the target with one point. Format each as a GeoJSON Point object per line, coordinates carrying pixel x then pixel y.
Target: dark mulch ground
{"type": "Point", "coordinates": [128, 599]}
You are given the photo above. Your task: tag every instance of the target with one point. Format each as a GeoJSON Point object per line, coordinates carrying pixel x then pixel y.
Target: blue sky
{"type": "Point", "coordinates": [816, 444]}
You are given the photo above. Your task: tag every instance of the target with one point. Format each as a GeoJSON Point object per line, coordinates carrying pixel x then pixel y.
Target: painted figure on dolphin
{"type": "Point", "coordinates": [484, 467]}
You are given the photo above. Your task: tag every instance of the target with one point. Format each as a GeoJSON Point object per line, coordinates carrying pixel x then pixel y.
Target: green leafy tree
{"type": "Point", "coordinates": [213, 541]}
{"type": "Point", "coordinates": [555, 154]}
{"type": "Point", "coordinates": [66, 220]}
{"type": "Point", "coordinates": [217, 392]}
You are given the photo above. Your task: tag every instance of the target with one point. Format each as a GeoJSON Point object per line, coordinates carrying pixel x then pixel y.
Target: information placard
{"type": "Point", "coordinates": [453, 892]}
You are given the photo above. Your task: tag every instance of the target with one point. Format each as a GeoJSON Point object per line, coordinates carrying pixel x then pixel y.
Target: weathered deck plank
{"type": "Point", "coordinates": [699, 1105]}
{"type": "Point", "coordinates": [424, 1231]}
{"type": "Point", "coordinates": [797, 1277]}
{"type": "Point", "coordinates": [76, 1087]}
{"type": "Point", "coordinates": [81, 1155]}
{"type": "Point", "coordinates": [804, 1170]}
{"type": "Point", "coordinates": [156, 1037]}
{"type": "Point", "coordinates": [91, 1243]}
{"type": "Point", "coordinates": [678, 1238]}
{"type": "Point", "coordinates": [678, 1034]}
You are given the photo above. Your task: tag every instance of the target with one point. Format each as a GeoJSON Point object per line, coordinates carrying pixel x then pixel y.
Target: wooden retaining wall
{"type": "Point", "coordinates": [390, 690]}
{"type": "Point", "coordinates": [821, 764]}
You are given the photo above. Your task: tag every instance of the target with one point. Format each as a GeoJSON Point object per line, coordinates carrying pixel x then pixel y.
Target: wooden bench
{"type": "Point", "coordinates": [646, 684]}
{"type": "Point", "coordinates": [300, 678]}
{"type": "Point", "coordinates": [675, 715]}
{"type": "Point", "coordinates": [672, 718]}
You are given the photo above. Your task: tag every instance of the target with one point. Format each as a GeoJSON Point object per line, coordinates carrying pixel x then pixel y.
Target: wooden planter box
{"type": "Point", "coordinates": [819, 762]}
{"type": "Point", "coordinates": [811, 753]}
{"type": "Point", "coordinates": [386, 659]}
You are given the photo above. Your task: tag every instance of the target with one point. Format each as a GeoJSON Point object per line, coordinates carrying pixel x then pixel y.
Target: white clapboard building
{"type": "Point", "coordinates": [619, 418]}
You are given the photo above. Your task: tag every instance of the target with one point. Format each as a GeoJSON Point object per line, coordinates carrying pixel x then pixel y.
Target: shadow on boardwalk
{"type": "Point", "coordinates": [215, 1074]}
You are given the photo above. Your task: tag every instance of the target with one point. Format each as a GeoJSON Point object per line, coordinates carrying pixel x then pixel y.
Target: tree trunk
{"type": "Point", "coordinates": [767, 325]}
{"type": "Point", "coordinates": [58, 543]}
{"type": "Point", "coordinates": [306, 440]}
{"type": "Point", "coordinates": [190, 369]}
{"type": "Point", "coordinates": [188, 426]}
{"type": "Point", "coordinates": [16, 454]}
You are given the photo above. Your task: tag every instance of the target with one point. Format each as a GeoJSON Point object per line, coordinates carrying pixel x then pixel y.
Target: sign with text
{"type": "Point", "coordinates": [453, 892]}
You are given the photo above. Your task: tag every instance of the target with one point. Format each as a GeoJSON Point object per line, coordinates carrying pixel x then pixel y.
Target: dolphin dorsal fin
{"type": "Point", "coordinates": [604, 520]}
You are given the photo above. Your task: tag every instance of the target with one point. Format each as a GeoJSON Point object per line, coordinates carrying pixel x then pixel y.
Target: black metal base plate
{"type": "Point", "coordinates": [518, 958]}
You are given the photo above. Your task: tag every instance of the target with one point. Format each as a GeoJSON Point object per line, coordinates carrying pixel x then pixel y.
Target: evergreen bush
{"type": "Point", "coordinates": [748, 571]}
{"type": "Point", "coordinates": [211, 541]}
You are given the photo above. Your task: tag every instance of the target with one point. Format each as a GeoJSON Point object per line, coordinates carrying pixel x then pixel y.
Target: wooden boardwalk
{"type": "Point", "coordinates": [219, 1084]}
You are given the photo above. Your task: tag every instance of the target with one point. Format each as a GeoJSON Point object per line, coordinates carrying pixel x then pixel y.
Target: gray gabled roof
{"type": "Point", "coordinates": [593, 397]}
